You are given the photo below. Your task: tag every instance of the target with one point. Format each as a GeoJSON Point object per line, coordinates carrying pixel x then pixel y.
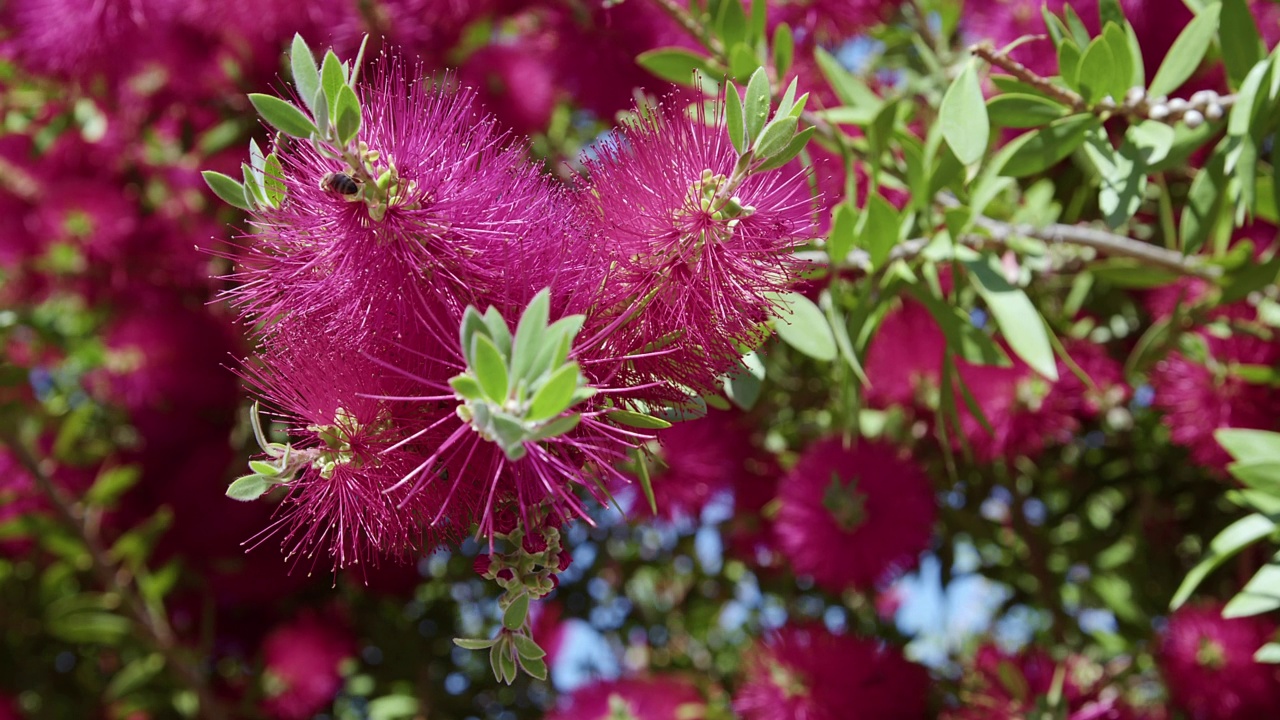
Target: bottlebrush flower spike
{"type": "Point", "coordinates": [700, 230]}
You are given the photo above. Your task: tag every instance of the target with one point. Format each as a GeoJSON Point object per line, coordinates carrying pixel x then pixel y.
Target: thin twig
{"type": "Point", "coordinates": [155, 629]}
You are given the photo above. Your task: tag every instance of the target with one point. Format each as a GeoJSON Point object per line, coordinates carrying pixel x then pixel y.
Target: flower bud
{"type": "Point", "coordinates": [534, 543]}
{"type": "Point", "coordinates": [565, 560]}
{"type": "Point", "coordinates": [1135, 95]}
{"type": "Point", "coordinates": [1178, 105]}
{"type": "Point", "coordinates": [1158, 112]}
{"type": "Point", "coordinates": [1203, 97]}
{"type": "Point", "coordinates": [1214, 111]}
{"type": "Point", "coordinates": [506, 574]}
{"type": "Point", "coordinates": [482, 564]}
{"type": "Point", "coordinates": [1193, 119]}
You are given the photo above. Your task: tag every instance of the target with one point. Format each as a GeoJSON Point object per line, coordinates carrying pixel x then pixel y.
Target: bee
{"type": "Point", "coordinates": [340, 183]}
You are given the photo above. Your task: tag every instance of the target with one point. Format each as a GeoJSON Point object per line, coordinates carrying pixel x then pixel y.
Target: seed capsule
{"type": "Point", "coordinates": [340, 183]}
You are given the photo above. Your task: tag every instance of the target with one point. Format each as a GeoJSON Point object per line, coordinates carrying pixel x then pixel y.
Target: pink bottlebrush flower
{"type": "Point", "coordinates": [515, 82]}
{"type": "Point", "coordinates": [1026, 411]}
{"type": "Point", "coordinates": [1199, 397]}
{"type": "Point", "coordinates": [831, 21]}
{"type": "Point", "coordinates": [166, 366]}
{"type": "Point", "coordinates": [301, 661]}
{"type": "Point", "coordinates": [78, 39]}
{"type": "Point", "coordinates": [1106, 388]}
{"type": "Point", "coordinates": [699, 459]}
{"type": "Point", "coordinates": [806, 672]}
{"type": "Point", "coordinates": [851, 517]}
{"type": "Point", "coordinates": [1011, 686]}
{"type": "Point", "coordinates": [641, 698]}
{"type": "Point", "coordinates": [1208, 665]}
{"type": "Point", "coordinates": [353, 449]}
{"type": "Point", "coordinates": [695, 277]}
{"type": "Point", "coordinates": [1267, 15]}
{"type": "Point", "coordinates": [904, 358]}
{"type": "Point", "coordinates": [595, 50]}
{"type": "Point", "coordinates": [750, 532]}
{"type": "Point", "coordinates": [547, 627]}
{"type": "Point", "coordinates": [421, 30]}
{"type": "Point", "coordinates": [465, 200]}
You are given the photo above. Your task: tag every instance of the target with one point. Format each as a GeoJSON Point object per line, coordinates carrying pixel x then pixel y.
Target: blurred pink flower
{"type": "Point", "coordinates": [515, 82]}
{"type": "Point", "coordinates": [853, 517]}
{"type": "Point", "coordinates": [1012, 686]}
{"type": "Point", "coordinates": [660, 697]}
{"type": "Point", "coordinates": [699, 459]}
{"type": "Point", "coordinates": [301, 660]}
{"type": "Point", "coordinates": [904, 358]}
{"type": "Point", "coordinates": [1208, 665]}
{"type": "Point", "coordinates": [806, 673]}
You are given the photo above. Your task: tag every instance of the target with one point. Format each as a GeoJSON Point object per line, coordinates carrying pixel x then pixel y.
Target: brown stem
{"type": "Point", "coordinates": [988, 52]}
{"type": "Point", "coordinates": [155, 628]}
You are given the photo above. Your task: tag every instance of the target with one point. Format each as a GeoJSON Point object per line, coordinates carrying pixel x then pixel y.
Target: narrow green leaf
{"type": "Point", "coordinates": [783, 49]}
{"type": "Point", "coordinates": [537, 667]}
{"type": "Point", "coordinates": [880, 230]}
{"type": "Point", "coordinates": [134, 675]}
{"type": "Point", "coordinates": [1019, 321]}
{"type": "Point", "coordinates": [530, 333]}
{"type": "Point", "coordinates": [1121, 76]}
{"type": "Point", "coordinates": [227, 189]}
{"type": "Point", "coordinates": [637, 420]}
{"type": "Point", "coordinates": [1260, 595]}
{"type": "Point", "coordinates": [731, 23]}
{"type": "Point", "coordinates": [1269, 654]}
{"type": "Point", "coordinates": [282, 115]}
{"type": "Point", "coordinates": [742, 385]}
{"type": "Point", "coordinates": [111, 484]}
{"type": "Point", "coordinates": [516, 614]}
{"type": "Point", "coordinates": [852, 91]}
{"type": "Point", "coordinates": [776, 137]}
{"type": "Point", "coordinates": [489, 368]}
{"type": "Point", "coordinates": [498, 331]}
{"type": "Point", "coordinates": [1187, 52]}
{"type": "Point", "coordinates": [788, 153]}
{"type": "Point", "coordinates": [272, 180]}
{"type": "Point", "coordinates": [348, 112]}
{"type": "Point", "coordinates": [1262, 475]}
{"type": "Point", "coordinates": [757, 105]}
{"type": "Point", "coordinates": [1236, 537]}
{"type": "Point", "coordinates": [306, 76]}
{"type": "Point", "coordinates": [332, 80]}
{"type": "Point", "coordinates": [1042, 149]}
{"type": "Point", "coordinates": [527, 648]}
{"type": "Point", "coordinates": [676, 65]}
{"type": "Point", "coordinates": [265, 469]}
{"type": "Point", "coordinates": [1017, 110]}
{"type": "Point", "coordinates": [555, 395]}
{"type": "Point", "coordinates": [1096, 72]}
{"type": "Point", "coordinates": [248, 488]}
{"type": "Point", "coordinates": [646, 482]}
{"type": "Point", "coordinates": [963, 115]}
{"type": "Point", "coordinates": [1238, 37]}
{"type": "Point", "coordinates": [802, 325]}
{"type": "Point", "coordinates": [1249, 446]}
{"type": "Point", "coordinates": [1204, 204]}
{"type": "Point", "coordinates": [735, 118]}
{"type": "Point", "coordinates": [466, 387]}
{"type": "Point", "coordinates": [472, 323]}
{"type": "Point", "coordinates": [844, 222]}
{"type": "Point", "coordinates": [1069, 63]}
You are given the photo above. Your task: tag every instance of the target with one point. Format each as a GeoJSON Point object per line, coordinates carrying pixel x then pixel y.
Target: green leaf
{"type": "Point", "coordinates": [1250, 278]}
{"type": "Point", "coordinates": [1017, 110]}
{"type": "Point", "coordinates": [535, 668]}
{"type": "Point", "coordinates": [282, 115]}
{"type": "Point", "coordinates": [1153, 140]}
{"type": "Point", "coordinates": [348, 112]}
{"type": "Point", "coordinates": [98, 627]}
{"type": "Point", "coordinates": [474, 643]}
{"type": "Point", "coordinates": [1069, 63]}
{"type": "Point", "coordinates": [134, 675]}
{"type": "Point", "coordinates": [466, 387]}
{"type": "Point", "coordinates": [1013, 311]}
{"type": "Point", "coordinates": [802, 325]}
{"type": "Point", "coordinates": [111, 484]}
{"type": "Point", "coordinates": [555, 395]}
{"type": "Point", "coordinates": [731, 23]}
{"type": "Point", "coordinates": [646, 482]}
{"type": "Point", "coordinates": [1204, 205]}
{"type": "Point", "coordinates": [306, 76]}
{"type": "Point", "coordinates": [1042, 149]}
{"type": "Point", "coordinates": [757, 105]}
{"type": "Point", "coordinates": [776, 137]}
{"type": "Point", "coordinates": [735, 118]}
{"type": "Point", "coordinates": [1260, 595]}
{"type": "Point", "coordinates": [1238, 535]}
{"type": "Point", "coordinates": [788, 153]}
{"type": "Point", "coordinates": [783, 49]}
{"type": "Point", "coordinates": [332, 80]}
{"type": "Point", "coordinates": [530, 333]}
{"type": "Point", "coordinates": [1264, 476]}
{"type": "Point", "coordinates": [743, 383]}
{"type": "Point", "coordinates": [393, 707]}
{"type": "Point", "coordinates": [743, 61]}
{"type": "Point", "coordinates": [265, 469]}
{"type": "Point", "coordinates": [227, 189]}
{"type": "Point", "coordinates": [1122, 75]}
{"type": "Point", "coordinates": [963, 115]}
{"type": "Point", "coordinates": [1124, 177]}
{"type": "Point", "coordinates": [676, 65]}
{"type": "Point", "coordinates": [517, 612]}
{"type": "Point", "coordinates": [489, 368]}
{"type": "Point", "coordinates": [637, 420]}
{"type": "Point", "coordinates": [844, 222]}
{"type": "Point", "coordinates": [852, 91]}
{"type": "Point", "coordinates": [1132, 274]}
{"type": "Point", "coordinates": [1096, 73]}
{"type": "Point", "coordinates": [526, 648]}
{"type": "Point", "coordinates": [879, 232]}
{"type": "Point", "coordinates": [1249, 446]}
{"type": "Point", "coordinates": [1187, 52]}
{"type": "Point", "coordinates": [248, 488]}
{"type": "Point", "coordinates": [272, 183]}
{"type": "Point", "coordinates": [1238, 37]}
{"type": "Point", "coordinates": [1269, 654]}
